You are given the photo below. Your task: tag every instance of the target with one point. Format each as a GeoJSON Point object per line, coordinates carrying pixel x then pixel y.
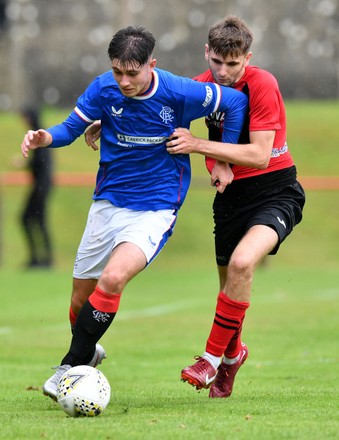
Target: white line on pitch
{"type": "Point", "coordinates": [163, 309]}
{"type": "Point", "coordinates": [5, 330]}
{"type": "Point", "coordinates": [153, 311]}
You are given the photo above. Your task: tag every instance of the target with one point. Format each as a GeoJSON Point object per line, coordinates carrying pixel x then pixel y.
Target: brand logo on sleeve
{"type": "Point", "coordinates": [209, 96]}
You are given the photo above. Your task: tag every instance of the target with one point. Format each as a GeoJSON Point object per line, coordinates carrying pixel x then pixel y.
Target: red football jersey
{"type": "Point", "coordinates": [266, 112]}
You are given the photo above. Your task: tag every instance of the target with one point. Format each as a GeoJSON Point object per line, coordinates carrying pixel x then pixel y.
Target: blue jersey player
{"type": "Point", "coordinates": [140, 186]}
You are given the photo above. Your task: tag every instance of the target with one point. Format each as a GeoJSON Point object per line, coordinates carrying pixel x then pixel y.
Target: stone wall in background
{"type": "Point", "coordinates": [50, 50]}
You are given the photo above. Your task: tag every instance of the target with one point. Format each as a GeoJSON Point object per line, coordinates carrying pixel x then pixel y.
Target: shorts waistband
{"type": "Point", "coordinates": [274, 179]}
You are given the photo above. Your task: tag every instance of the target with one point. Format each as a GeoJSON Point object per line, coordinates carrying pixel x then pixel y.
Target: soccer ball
{"type": "Point", "coordinates": [83, 391]}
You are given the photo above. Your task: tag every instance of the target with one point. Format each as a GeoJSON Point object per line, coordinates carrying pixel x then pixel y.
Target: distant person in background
{"type": "Point", "coordinates": [33, 217]}
{"type": "Point", "coordinates": [3, 17]}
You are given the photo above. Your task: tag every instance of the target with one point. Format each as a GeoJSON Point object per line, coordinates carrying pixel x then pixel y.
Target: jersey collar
{"type": "Point", "coordinates": [152, 90]}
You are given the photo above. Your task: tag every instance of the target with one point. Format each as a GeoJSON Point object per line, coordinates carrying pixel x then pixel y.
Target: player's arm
{"type": "Point", "coordinates": [57, 136]}
{"type": "Point", "coordinates": [265, 109]}
{"type": "Point", "coordinates": [256, 154]}
{"type": "Point", "coordinates": [65, 133]}
{"type": "Point", "coordinates": [232, 103]}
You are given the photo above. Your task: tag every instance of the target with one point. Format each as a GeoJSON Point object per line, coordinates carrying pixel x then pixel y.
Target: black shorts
{"type": "Point", "coordinates": [274, 199]}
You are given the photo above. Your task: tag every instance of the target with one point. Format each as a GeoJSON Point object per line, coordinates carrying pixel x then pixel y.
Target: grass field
{"type": "Point", "coordinates": [288, 388]}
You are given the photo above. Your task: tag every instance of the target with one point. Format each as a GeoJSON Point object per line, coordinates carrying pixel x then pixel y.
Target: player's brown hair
{"type": "Point", "coordinates": [230, 36]}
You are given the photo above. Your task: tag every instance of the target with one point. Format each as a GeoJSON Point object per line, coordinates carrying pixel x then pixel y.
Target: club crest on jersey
{"type": "Point", "coordinates": [116, 112]}
{"type": "Point", "coordinates": [166, 115]}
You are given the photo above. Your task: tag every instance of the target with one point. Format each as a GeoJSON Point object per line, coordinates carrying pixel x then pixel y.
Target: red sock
{"type": "Point", "coordinates": [104, 302]}
{"type": "Point", "coordinates": [234, 346]}
{"type": "Point", "coordinates": [227, 322]}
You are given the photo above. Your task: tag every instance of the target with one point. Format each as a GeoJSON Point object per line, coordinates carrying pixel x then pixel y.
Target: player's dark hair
{"type": "Point", "coordinates": [133, 44]}
{"type": "Point", "coordinates": [230, 36]}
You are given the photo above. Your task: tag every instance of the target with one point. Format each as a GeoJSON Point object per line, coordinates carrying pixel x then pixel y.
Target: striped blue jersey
{"type": "Point", "coordinates": [135, 170]}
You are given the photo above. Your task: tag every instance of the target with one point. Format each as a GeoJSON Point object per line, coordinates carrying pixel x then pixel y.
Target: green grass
{"type": "Point", "coordinates": [288, 388]}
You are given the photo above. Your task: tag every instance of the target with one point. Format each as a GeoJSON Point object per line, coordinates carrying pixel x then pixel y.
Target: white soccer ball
{"type": "Point", "coordinates": [83, 391]}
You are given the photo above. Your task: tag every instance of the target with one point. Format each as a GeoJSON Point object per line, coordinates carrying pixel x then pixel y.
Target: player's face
{"type": "Point", "coordinates": [132, 78]}
{"type": "Point", "coordinates": [226, 71]}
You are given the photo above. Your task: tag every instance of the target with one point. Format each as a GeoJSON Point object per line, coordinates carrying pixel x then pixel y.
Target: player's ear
{"type": "Point", "coordinates": [152, 63]}
{"type": "Point", "coordinates": [247, 58]}
{"type": "Point", "coordinates": [207, 50]}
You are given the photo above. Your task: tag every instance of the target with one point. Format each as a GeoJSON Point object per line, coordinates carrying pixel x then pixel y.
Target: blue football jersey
{"type": "Point", "coordinates": [135, 170]}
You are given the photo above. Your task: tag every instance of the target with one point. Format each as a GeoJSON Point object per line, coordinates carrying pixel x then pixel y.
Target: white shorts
{"type": "Point", "coordinates": [107, 226]}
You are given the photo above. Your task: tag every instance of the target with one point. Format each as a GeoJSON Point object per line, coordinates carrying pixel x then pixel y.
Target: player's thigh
{"type": "Point", "coordinates": [149, 230]}
{"type": "Point", "coordinates": [258, 241]}
{"type": "Point", "coordinates": [125, 262]}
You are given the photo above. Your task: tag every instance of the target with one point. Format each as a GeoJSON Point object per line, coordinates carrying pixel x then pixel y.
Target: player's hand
{"type": "Point", "coordinates": [92, 134]}
{"type": "Point", "coordinates": [221, 176]}
{"type": "Point", "coordinates": [35, 139]}
{"type": "Point", "coordinates": [182, 141]}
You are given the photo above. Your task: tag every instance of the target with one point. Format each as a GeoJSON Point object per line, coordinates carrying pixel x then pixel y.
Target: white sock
{"type": "Point", "coordinates": [232, 361]}
{"type": "Point", "coordinates": [214, 360]}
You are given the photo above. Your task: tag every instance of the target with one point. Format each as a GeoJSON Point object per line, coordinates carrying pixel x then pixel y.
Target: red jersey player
{"type": "Point", "coordinates": [258, 200]}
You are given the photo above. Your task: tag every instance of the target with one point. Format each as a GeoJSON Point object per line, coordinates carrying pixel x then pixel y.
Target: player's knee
{"type": "Point", "coordinates": [112, 281]}
{"type": "Point", "coordinates": [241, 265]}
